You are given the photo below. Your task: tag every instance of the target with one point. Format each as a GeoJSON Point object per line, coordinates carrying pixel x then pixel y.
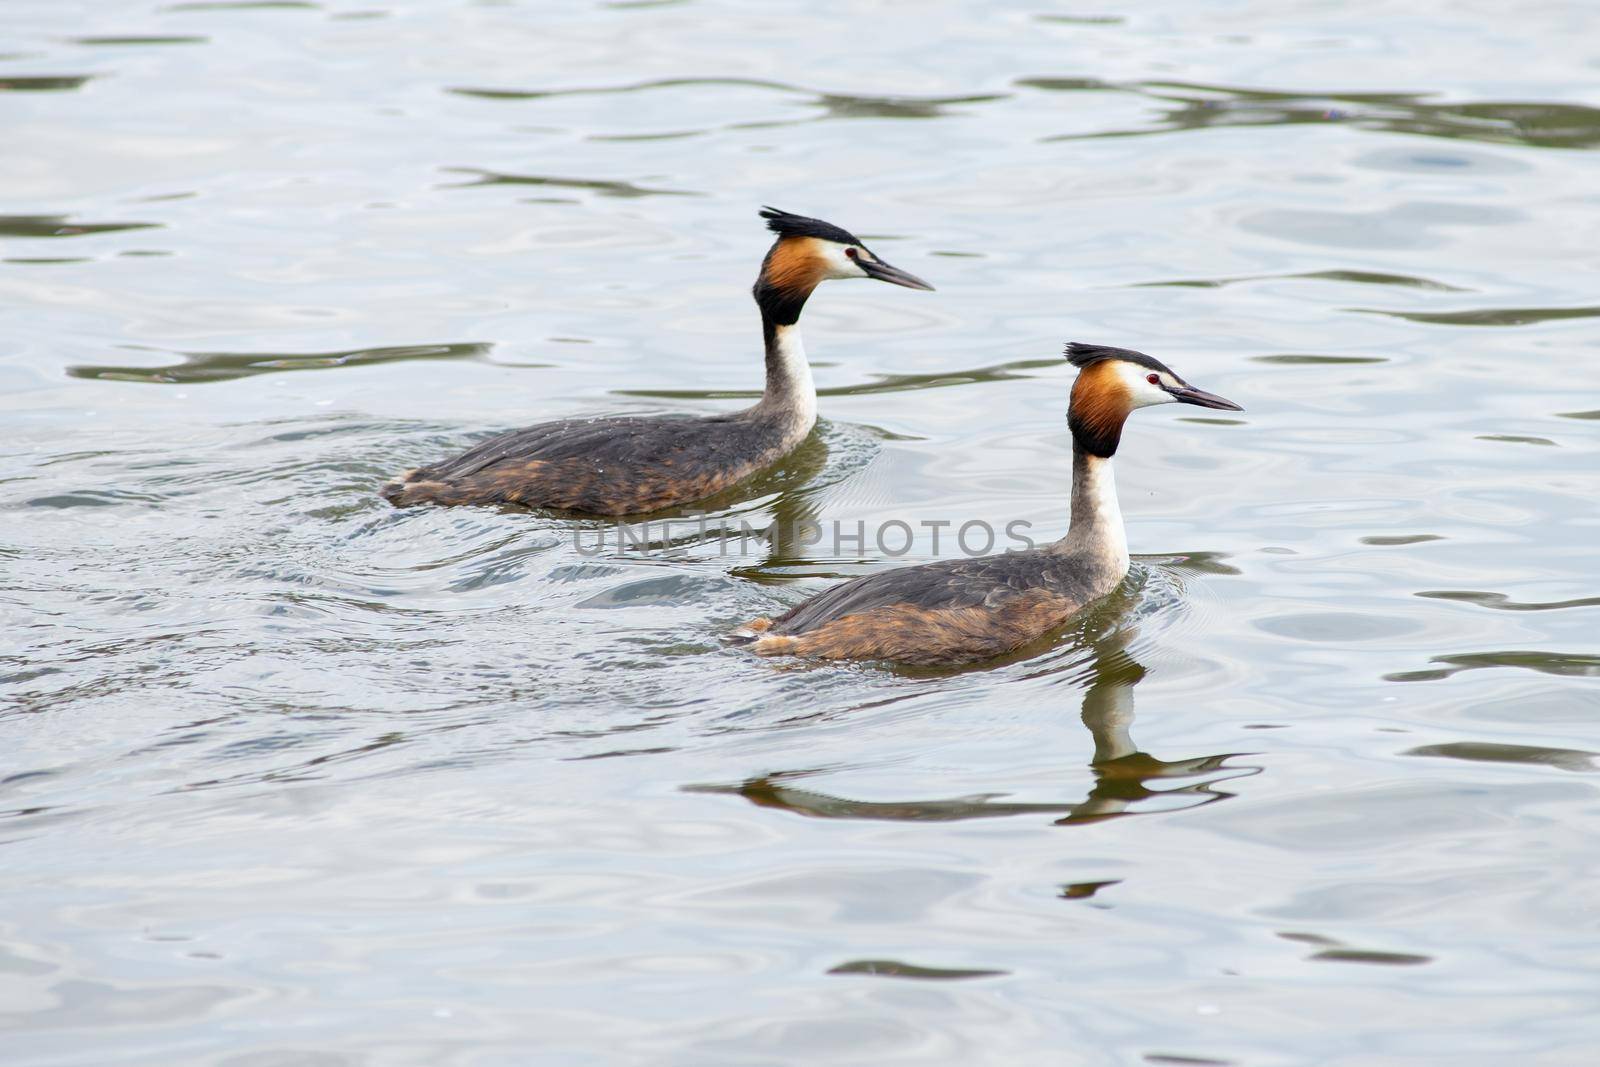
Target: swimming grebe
{"type": "Point", "coordinates": [632, 465]}
{"type": "Point", "coordinates": [962, 611]}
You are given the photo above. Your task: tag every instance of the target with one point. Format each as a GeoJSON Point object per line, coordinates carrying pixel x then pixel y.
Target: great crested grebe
{"type": "Point", "coordinates": [962, 611]}
{"type": "Point", "coordinates": [632, 465]}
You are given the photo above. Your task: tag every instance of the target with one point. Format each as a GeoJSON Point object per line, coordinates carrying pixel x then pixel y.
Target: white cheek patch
{"type": "Point", "coordinates": [839, 265]}
{"type": "Point", "coordinates": [1142, 393]}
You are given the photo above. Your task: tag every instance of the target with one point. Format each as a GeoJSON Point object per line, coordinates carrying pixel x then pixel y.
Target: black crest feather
{"type": "Point", "coordinates": [1081, 355]}
{"type": "Point", "coordinates": [784, 224]}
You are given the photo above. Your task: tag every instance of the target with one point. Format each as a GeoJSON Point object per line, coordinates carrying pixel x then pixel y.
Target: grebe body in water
{"type": "Point", "coordinates": [967, 610]}
{"type": "Point", "coordinates": [635, 465]}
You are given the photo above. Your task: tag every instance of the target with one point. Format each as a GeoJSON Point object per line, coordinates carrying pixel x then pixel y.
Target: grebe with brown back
{"type": "Point", "coordinates": [634, 465]}
{"type": "Point", "coordinates": [962, 611]}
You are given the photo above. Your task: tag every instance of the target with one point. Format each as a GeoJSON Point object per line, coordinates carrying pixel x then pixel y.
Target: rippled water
{"type": "Point", "coordinates": [289, 777]}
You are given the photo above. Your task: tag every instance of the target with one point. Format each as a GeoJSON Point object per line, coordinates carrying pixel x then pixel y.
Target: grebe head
{"type": "Point", "coordinates": [808, 252]}
{"type": "Point", "coordinates": [1112, 382]}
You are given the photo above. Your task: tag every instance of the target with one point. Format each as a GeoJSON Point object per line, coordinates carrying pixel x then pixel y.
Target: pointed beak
{"type": "Point", "coordinates": [1188, 394]}
{"type": "Point", "coordinates": [880, 270]}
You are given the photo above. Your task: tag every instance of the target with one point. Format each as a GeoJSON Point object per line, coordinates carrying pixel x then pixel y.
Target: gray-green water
{"type": "Point", "coordinates": [290, 778]}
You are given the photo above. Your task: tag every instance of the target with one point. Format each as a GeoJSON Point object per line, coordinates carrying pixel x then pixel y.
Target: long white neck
{"type": "Point", "coordinates": [1096, 531]}
{"type": "Point", "coordinates": [790, 392]}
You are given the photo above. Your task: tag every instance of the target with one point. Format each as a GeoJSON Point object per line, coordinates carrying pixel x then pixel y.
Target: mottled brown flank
{"type": "Point", "coordinates": [904, 633]}
{"type": "Point", "coordinates": [1101, 402]}
{"type": "Point", "coordinates": [796, 265]}
{"type": "Point", "coordinates": [567, 485]}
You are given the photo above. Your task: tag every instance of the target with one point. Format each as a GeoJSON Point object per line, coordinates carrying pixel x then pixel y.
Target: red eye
{"type": "Point", "coordinates": [1153, 379]}
{"type": "Point", "coordinates": [851, 252]}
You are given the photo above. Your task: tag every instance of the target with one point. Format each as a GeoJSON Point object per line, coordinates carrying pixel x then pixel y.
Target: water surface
{"type": "Point", "coordinates": [288, 777]}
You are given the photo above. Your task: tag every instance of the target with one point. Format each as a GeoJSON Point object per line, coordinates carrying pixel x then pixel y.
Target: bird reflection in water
{"type": "Point", "coordinates": [1127, 781]}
